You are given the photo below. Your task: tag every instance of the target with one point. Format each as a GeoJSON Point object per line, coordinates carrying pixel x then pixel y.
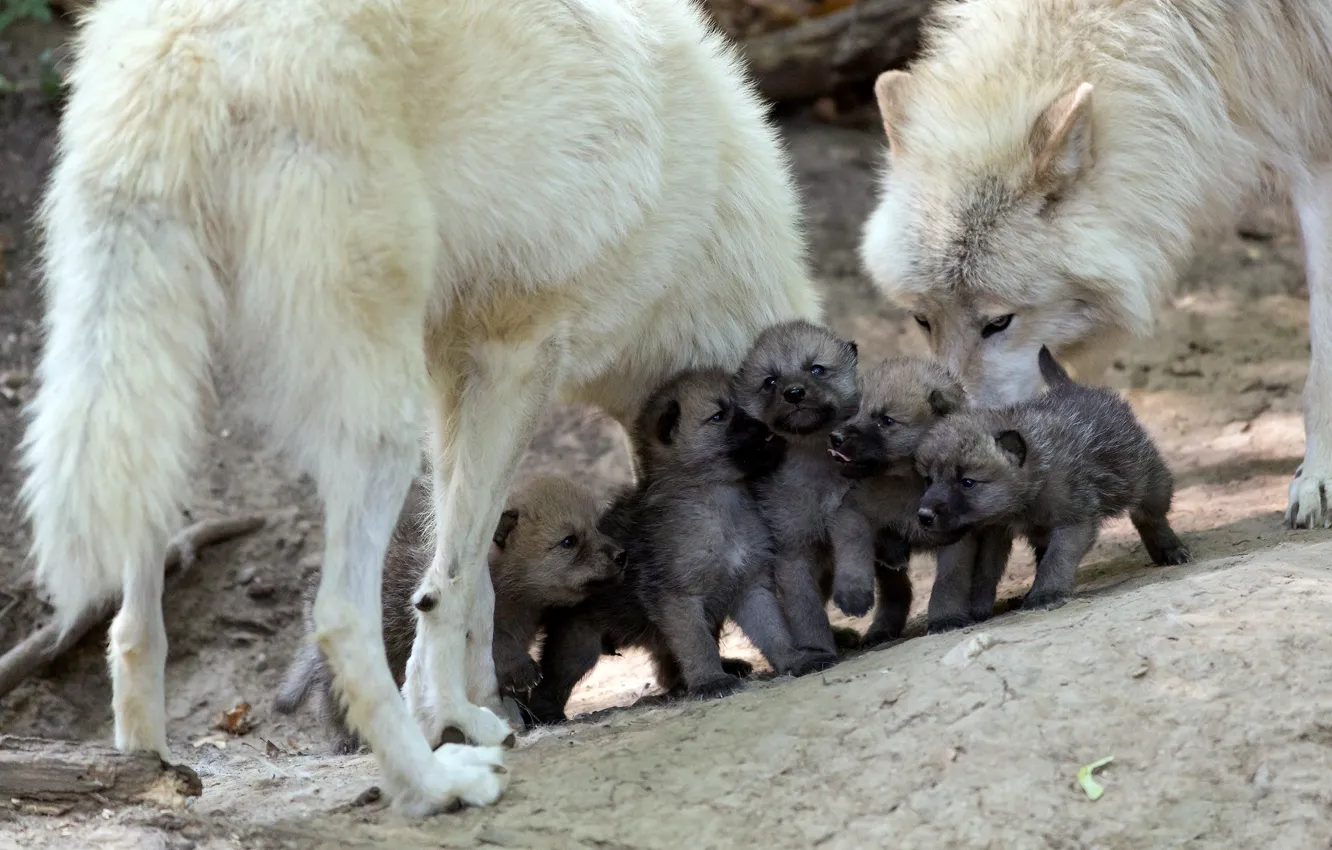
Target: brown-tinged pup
{"type": "Point", "coordinates": [547, 551]}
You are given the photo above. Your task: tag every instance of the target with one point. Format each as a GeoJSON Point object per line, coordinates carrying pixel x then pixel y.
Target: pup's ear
{"type": "Point", "coordinates": [507, 521]}
{"type": "Point", "coordinates": [1012, 444]}
{"type": "Point", "coordinates": [1061, 142]}
{"type": "Point", "coordinates": [853, 348]}
{"type": "Point", "coordinates": [945, 401]}
{"type": "Point", "coordinates": [668, 421]}
{"type": "Point", "coordinates": [891, 90]}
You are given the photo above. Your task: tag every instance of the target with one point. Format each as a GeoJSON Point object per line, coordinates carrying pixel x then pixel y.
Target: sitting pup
{"type": "Point", "coordinates": [699, 552]}
{"type": "Point", "coordinates": [1052, 469]}
{"type": "Point", "coordinates": [800, 379]}
{"type": "Point", "coordinates": [876, 529]}
{"type": "Point", "coordinates": [547, 551]}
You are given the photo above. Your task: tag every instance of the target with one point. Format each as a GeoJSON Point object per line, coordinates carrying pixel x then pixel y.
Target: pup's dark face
{"type": "Point", "coordinates": [901, 399]}
{"type": "Point", "coordinates": [799, 379]}
{"type": "Point", "coordinates": [550, 533]}
{"type": "Point", "coordinates": [975, 476]}
{"type": "Point", "coordinates": [693, 425]}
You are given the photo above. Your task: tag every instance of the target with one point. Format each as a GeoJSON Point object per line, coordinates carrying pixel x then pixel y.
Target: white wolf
{"type": "Point", "coordinates": [1052, 162]}
{"type": "Point", "coordinates": [395, 217]}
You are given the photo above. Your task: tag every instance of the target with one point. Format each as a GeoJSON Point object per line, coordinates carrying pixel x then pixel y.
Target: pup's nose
{"type": "Point", "coordinates": [926, 517]}
{"type": "Point", "coordinates": [836, 438]}
{"type": "Point", "coordinates": [619, 557]}
{"type": "Point", "coordinates": [794, 394]}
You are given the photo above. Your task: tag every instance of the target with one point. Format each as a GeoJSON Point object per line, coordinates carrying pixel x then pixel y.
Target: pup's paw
{"type": "Point", "coordinates": [1045, 600]}
{"type": "Point", "coordinates": [719, 687]}
{"type": "Point", "coordinates": [737, 667]}
{"type": "Point", "coordinates": [853, 597]}
{"type": "Point", "coordinates": [812, 661]}
{"type": "Point", "coordinates": [949, 624]}
{"type": "Point", "coordinates": [845, 638]}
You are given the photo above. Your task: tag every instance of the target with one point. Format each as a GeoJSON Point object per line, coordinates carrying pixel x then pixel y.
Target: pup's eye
{"type": "Point", "coordinates": [769, 382]}
{"type": "Point", "coordinates": [996, 325]}
{"type": "Point", "coordinates": [817, 371]}
{"type": "Point", "coordinates": [923, 322]}
{"type": "Point", "coordinates": [718, 416]}
{"type": "Point", "coordinates": [885, 420]}
{"type": "Point", "coordinates": [968, 483]}
{"type": "Point", "coordinates": [569, 542]}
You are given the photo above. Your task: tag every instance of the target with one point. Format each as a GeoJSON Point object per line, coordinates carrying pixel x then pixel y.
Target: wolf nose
{"type": "Point", "coordinates": [619, 557]}
{"type": "Point", "coordinates": [836, 438]}
{"type": "Point", "coordinates": [926, 517]}
{"type": "Point", "coordinates": [794, 394]}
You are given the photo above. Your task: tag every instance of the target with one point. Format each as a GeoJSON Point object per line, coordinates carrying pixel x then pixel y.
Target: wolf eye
{"type": "Point", "coordinates": [569, 542]}
{"type": "Point", "coordinates": [968, 483]}
{"type": "Point", "coordinates": [769, 382]}
{"type": "Point", "coordinates": [817, 371]}
{"type": "Point", "coordinates": [996, 325]}
{"type": "Point", "coordinates": [718, 416]}
{"type": "Point", "coordinates": [923, 322]}
{"type": "Point", "coordinates": [885, 420]}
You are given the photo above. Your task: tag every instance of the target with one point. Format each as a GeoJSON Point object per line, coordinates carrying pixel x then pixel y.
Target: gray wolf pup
{"type": "Point", "coordinates": [1051, 469]}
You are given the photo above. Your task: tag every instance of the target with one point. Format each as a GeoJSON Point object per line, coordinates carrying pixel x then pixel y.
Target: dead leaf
{"type": "Point", "coordinates": [236, 721]}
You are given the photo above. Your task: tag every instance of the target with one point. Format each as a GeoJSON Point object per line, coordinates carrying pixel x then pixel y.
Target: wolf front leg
{"type": "Point", "coordinates": [853, 555]}
{"type": "Point", "coordinates": [490, 392]}
{"type": "Point", "coordinates": [1308, 494]}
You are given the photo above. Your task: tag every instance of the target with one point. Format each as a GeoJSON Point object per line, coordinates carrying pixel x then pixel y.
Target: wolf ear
{"type": "Point", "coordinates": [945, 401]}
{"type": "Point", "coordinates": [668, 421]}
{"type": "Point", "coordinates": [853, 348]}
{"type": "Point", "coordinates": [1061, 142]}
{"type": "Point", "coordinates": [1012, 444]}
{"type": "Point", "coordinates": [890, 90]}
{"type": "Point", "coordinates": [507, 521]}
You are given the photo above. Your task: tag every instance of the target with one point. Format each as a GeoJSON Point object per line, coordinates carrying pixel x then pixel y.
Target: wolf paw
{"type": "Point", "coordinates": [1307, 506]}
{"type": "Point", "coordinates": [949, 624]}
{"type": "Point", "coordinates": [844, 638]}
{"type": "Point", "coordinates": [719, 687]}
{"type": "Point", "coordinates": [1045, 600]}
{"type": "Point", "coordinates": [812, 662]}
{"type": "Point", "coordinates": [876, 636]}
{"type": "Point", "coordinates": [854, 599]}
{"type": "Point", "coordinates": [737, 667]}
{"type": "Point", "coordinates": [457, 776]}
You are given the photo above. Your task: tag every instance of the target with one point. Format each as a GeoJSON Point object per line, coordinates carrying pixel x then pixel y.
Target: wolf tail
{"type": "Point", "coordinates": [299, 680]}
{"type": "Point", "coordinates": [131, 299]}
{"type": "Point", "coordinates": [1054, 374]}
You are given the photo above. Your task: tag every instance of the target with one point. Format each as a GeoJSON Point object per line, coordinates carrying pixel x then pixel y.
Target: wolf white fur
{"type": "Point", "coordinates": [394, 217]}
{"type": "Point", "coordinates": [1052, 162]}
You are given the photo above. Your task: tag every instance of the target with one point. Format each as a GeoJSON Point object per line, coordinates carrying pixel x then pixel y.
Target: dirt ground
{"type": "Point", "coordinates": [1206, 683]}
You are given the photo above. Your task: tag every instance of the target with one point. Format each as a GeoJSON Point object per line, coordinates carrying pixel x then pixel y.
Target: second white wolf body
{"type": "Point", "coordinates": [1053, 162]}
{"type": "Point", "coordinates": [391, 215]}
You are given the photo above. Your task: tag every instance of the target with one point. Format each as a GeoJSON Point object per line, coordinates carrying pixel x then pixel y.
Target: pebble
{"type": "Point", "coordinates": [247, 574]}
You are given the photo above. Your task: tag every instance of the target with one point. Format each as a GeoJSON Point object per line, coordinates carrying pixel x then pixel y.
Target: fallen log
{"type": "Point", "coordinates": [820, 55]}
{"type": "Point", "coordinates": [37, 770]}
{"type": "Point", "coordinates": [48, 643]}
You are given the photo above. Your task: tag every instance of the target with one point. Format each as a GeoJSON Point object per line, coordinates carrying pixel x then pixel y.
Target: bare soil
{"type": "Point", "coordinates": [1206, 683]}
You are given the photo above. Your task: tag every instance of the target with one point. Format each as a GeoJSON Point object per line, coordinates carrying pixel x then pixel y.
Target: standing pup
{"type": "Point", "coordinates": [1051, 469]}
{"type": "Point", "coordinates": [1051, 165]}
{"type": "Point", "coordinates": [699, 552]}
{"type": "Point", "coordinates": [391, 215]}
{"type": "Point", "coordinates": [876, 529]}
{"type": "Point", "coordinates": [800, 380]}
{"type": "Point", "coordinates": [547, 551]}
